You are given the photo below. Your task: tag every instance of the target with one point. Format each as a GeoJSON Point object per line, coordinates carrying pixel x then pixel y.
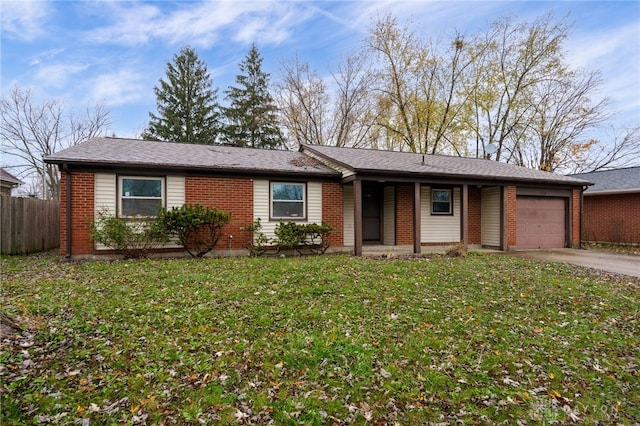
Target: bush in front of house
{"type": "Point", "coordinates": [132, 238]}
{"type": "Point", "coordinates": [196, 227]}
{"type": "Point", "coordinates": [304, 238]}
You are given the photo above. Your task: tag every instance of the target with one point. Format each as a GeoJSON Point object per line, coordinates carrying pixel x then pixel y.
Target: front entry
{"type": "Point", "coordinates": [371, 212]}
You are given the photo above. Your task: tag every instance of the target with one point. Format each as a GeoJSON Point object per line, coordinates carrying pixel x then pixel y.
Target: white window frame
{"type": "Point", "coordinates": [122, 196]}
{"type": "Point", "coordinates": [433, 201]}
{"type": "Point", "coordinates": [303, 201]}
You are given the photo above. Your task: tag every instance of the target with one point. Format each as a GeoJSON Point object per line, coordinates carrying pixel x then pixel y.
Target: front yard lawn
{"type": "Point", "coordinates": [318, 340]}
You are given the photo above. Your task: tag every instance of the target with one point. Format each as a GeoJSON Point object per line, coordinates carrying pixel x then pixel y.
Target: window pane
{"type": "Point", "coordinates": [442, 196]}
{"type": "Point", "coordinates": [140, 207]}
{"type": "Point", "coordinates": [441, 201]}
{"type": "Point", "coordinates": [287, 209]}
{"type": "Point", "coordinates": [441, 208]}
{"type": "Point", "coordinates": [287, 191]}
{"type": "Point", "coordinates": [141, 188]}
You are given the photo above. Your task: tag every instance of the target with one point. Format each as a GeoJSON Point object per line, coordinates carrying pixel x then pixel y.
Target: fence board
{"type": "Point", "coordinates": [28, 225]}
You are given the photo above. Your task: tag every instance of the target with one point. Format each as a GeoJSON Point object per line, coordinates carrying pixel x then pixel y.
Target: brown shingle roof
{"type": "Point", "coordinates": [406, 164]}
{"type": "Point", "coordinates": [99, 152]}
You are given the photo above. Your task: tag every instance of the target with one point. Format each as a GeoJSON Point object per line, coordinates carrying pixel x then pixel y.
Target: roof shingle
{"type": "Point", "coordinates": [411, 164]}
{"type": "Point", "coordinates": [612, 181]}
{"type": "Point", "coordinates": [216, 158]}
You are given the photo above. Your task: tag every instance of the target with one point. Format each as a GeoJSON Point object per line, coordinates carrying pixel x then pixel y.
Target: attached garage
{"type": "Point", "coordinates": [541, 222]}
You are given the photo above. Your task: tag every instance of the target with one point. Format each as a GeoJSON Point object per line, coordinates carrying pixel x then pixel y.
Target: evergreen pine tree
{"type": "Point", "coordinates": [188, 109]}
{"type": "Point", "coordinates": [251, 119]}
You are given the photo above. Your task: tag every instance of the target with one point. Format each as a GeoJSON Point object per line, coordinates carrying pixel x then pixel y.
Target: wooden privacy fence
{"type": "Point", "coordinates": [28, 225]}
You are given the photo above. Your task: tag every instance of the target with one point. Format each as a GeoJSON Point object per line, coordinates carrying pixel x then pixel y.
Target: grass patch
{"type": "Point", "coordinates": [318, 340]}
{"type": "Point", "coordinates": [614, 247]}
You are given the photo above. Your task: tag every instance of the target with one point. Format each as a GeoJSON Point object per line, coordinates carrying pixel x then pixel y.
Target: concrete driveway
{"type": "Point", "coordinates": [605, 261]}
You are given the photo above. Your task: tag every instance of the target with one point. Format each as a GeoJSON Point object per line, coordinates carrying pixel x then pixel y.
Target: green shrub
{"type": "Point", "coordinates": [131, 237]}
{"type": "Point", "coordinates": [258, 242]}
{"type": "Point", "coordinates": [196, 227]}
{"type": "Point", "coordinates": [305, 238]}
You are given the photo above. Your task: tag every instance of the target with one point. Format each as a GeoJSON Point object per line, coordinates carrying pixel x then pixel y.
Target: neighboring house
{"type": "Point", "coordinates": [611, 211]}
{"type": "Point", "coordinates": [367, 196]}
{"type": "Point", "coordinates": [8, 182]}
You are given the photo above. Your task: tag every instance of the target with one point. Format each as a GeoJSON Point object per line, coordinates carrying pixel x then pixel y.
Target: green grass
{"type": "Point", "coordinates": [319, 340]}
{"type": "Point", "coordinates": [614, 247]}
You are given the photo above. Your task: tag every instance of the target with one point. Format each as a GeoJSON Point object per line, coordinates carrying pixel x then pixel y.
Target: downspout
{"type": "Point", "coordinates": [65, 167]}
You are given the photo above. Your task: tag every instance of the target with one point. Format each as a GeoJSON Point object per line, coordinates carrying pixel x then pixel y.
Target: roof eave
{"type": "Point", "coordinates": [194, 169]}
{"type": "Point", "coordinates": [460, 176]}
{"type": "Point", "coordinates": [612, 192]}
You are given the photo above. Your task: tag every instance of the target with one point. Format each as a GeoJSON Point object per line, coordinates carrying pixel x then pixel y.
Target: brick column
{"type": "Point", "coordinates": [509, 234]}
{"type": "Point", "coordinates": [332, 211]}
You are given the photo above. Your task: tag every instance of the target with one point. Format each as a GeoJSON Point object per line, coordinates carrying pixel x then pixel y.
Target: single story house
{"type": "Point", "coordinates": [367, 196]}
{"type": "Point", "coordinates": [611, 207]}
{"type": "Point", "coordinates": [8, 182]}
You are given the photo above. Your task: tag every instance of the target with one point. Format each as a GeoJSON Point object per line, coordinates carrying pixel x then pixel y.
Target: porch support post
{"type": "Point", "coordinates": [357, 217]}
{"type": "Point", "coordinates": [465, 215]}
{"type": "Point", "coordinates": [416, 217]}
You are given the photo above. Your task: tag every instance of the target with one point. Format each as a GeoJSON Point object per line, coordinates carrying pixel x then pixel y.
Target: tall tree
{"type": "Point", "coordinates": [418, 86]}
{"type": "Point", "coordinates": [526, 100]}
{"type": "Point", "coordinates": [32, 130]}
{"type": "Point", "coordinates": [187, 104]}
{"type": "Point", "coordinates": [251, 118]}
{"type": "Point", "coordinates": [315, 114]}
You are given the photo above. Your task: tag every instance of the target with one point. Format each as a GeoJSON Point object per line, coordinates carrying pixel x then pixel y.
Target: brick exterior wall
{"type": "Point", "coordinates": [233, 195]}
{"type": "Point", "coordinates": [82, 213]}
{"type": "Point", "coordinates": [474, 212]}
{"type": "Point", "coordinates": [575, 218]}
{"type": "Point", "coordinates": [404, 214]}
{"type": "Point", "coordinates": [332, 211]}
{"type": "Point", "coordinates": [510, 217]}
{"type": "Point", "coordinates": [612, 218]}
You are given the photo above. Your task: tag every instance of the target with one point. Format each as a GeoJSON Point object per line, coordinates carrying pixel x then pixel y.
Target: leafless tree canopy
{"type": "Point", "coordinates": [509, 87]}
{"type": "Point", "coordinates": [32, 130]}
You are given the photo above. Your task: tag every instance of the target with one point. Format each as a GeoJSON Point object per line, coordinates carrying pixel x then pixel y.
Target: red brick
{"type": "Point", "coordinates": [612, 218]}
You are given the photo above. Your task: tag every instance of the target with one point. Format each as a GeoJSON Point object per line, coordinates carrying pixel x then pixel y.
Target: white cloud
{"type": "Point", "coordinates": [25, 19]}
{"type": "Point", "coordinates": [611, 50]}
{"type": "Point", "coordinates": [58, 75]}
{"type": "Point", "coordinates": [200, 24]}
{"type": "Point", "coordinates": [120, 87]}
{"type": "Point", "coordinates": [46, 55]}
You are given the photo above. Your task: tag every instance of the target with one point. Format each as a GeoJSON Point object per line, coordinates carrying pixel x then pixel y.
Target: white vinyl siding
{"type": "Point", "coordinates": [347, 220]}
{"type": "Point", "coordinates": [335, 166]}
{"type": "Point", "coordinates": [439, 228]}
{"type": "Point", "coordinates": [389, 216]}
{"type": "Point", "coordinates": [106, 195]}
{"type": "Point", "coordinates": [104, 198]}
{"type": "Point", "coordinates": [175, 191]}
{"type": "Point", "coordinates": [490, 234]}
{"type": "Point", "coordinates": [262, 198]}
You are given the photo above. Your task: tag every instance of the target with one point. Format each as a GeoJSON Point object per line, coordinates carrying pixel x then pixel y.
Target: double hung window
{"type": "Point", "coordinates": [441, 201]}
{"type": "Point", "coordinates": [288, 200]}
{"type": "Point", "coordinates": [140, 196]}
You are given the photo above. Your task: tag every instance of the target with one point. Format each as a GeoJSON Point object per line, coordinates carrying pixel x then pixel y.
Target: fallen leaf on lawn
{"type": "Point", "coordinates": [384, 373]}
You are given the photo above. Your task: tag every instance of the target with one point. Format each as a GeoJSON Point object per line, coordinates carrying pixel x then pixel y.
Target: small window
{"type": "Point", "coordinates": [141, 196]}
{"type": "Point", "coordinates": [441, 200]}
{"type": "Point", "coordinates": [288, 200]}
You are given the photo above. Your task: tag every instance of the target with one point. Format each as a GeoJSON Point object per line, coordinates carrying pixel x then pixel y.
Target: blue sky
{"type": "Point", "coordinates": [115, 52]}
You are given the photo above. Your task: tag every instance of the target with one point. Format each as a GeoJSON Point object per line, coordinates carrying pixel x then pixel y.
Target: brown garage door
{"type": "Point", "coordinates": [540, 222]}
